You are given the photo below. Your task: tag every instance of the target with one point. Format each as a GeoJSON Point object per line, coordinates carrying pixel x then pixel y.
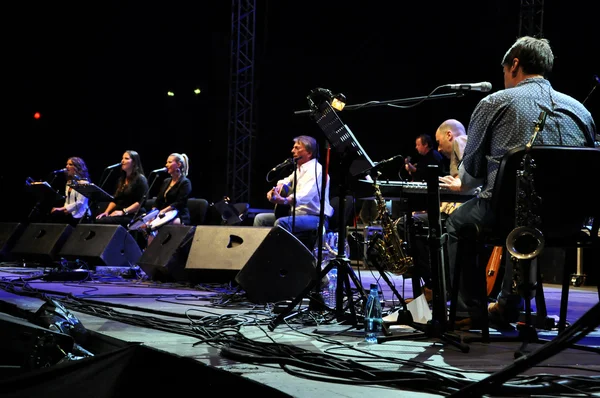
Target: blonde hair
{"type": "Point", "coordinates": [183, 161]}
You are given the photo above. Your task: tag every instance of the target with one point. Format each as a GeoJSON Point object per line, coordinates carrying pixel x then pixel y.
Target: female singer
{"type": "Point", "coordinates": [131, 189]}
{"type": "Point", "coordinates": [173, 195]}
{"type": "Point", "coordinates": [76, 205]}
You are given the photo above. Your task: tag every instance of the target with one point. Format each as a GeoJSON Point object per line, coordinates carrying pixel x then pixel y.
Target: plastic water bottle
{"type": "Point", "coordinates": [332, 286]}
{"type": "Point", "coordinates": [373, 316]}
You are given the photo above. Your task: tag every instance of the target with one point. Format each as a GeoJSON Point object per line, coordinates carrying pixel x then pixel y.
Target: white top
{"type": "Point", "coordinates": [308, 189]}
{"type": "Point", "coordinates": [75, 203]}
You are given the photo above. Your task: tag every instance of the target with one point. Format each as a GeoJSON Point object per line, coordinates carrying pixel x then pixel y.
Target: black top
{"type": "Point", "coordinates": [433, 157]}
{"type": "Point", "coordinates": [131, 193]}
{"type": "Point", "coordinates": [176, 197]}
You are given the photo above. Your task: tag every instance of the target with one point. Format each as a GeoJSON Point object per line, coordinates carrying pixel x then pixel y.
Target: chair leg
{"type": "Point", "coordinates": [540, 304]}
{"type": "Point", "coordinates": [465, 255]}
{"type": "Point", "coordinates": [455, 285]}
{"type": "Point", "coordinates": [485, 322]}
{"type": "Point", "coordinates": [566, 281]}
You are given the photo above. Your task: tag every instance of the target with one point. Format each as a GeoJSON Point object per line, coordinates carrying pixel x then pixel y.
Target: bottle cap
{"type": "Point", "coordinates": [373, 285]}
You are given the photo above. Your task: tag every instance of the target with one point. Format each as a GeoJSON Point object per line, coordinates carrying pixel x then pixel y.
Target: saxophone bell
{"type": "Point", "coordinates": [525, 243]}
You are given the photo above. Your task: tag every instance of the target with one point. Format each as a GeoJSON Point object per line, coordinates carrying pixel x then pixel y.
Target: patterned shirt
{"type": "Point", "coordinates": [506, 119]}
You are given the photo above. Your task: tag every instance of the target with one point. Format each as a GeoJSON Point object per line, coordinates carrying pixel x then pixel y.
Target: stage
{"type": "Point", "coordinates": [207, 337]}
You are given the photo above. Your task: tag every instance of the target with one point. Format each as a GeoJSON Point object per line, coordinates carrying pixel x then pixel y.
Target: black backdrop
{"type": "Point", "coordinates": [99, 77]}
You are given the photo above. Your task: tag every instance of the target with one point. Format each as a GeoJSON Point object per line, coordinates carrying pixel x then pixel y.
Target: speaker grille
{"type": "Point", "coordinates": [280, 268]}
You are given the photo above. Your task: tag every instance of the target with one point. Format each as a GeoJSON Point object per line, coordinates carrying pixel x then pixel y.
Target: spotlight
{"type": "Point", "coordinates": [338, 101]}
{"type": "Point", "coordinates": [319, 96]}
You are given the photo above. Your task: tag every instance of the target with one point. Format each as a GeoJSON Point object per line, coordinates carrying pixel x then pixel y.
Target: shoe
{"type": "Point", "coordinates": [500, 317]}
{"type": "Point", "coordinates": [466, 324]}
{"type": "Point", "coordinates": [507, 313]}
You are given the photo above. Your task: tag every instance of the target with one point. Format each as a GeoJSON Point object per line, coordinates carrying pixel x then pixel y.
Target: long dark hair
{"type": "Point", "coordinates": [136, 172]}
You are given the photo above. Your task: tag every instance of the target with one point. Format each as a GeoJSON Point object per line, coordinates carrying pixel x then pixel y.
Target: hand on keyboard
{"type": "Point", "coordinates": [452, 183]}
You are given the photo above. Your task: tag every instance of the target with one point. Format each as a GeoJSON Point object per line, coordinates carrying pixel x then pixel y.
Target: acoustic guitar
{"type": "Point", "coordinates": [493, 266]}
{"type": "Point", "coordinates": [283, 210]}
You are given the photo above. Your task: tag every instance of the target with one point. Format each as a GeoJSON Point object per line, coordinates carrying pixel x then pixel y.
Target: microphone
{"type": "Point", "coordinates": [59, 171]}
{"type": "Point", "coordinates": [286, 162]}
{"type": "Point", "coordinates": [161, 170]}
{"type": "Point", "coordinates": [113, 166]}
{"type": "Point", "coordinates": [388, 160]}
{"type": "Point", "coordinates": [483, 86]}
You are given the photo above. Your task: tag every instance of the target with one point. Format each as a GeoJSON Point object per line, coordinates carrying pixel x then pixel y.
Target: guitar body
{"type": "Point", "coordinates": [283, 210]}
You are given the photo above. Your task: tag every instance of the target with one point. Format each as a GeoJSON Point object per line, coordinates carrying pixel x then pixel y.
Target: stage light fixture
{"type": "Point", "coordinates": [318, 96]}
{"type": "Point", "coordinates": [338, 102]}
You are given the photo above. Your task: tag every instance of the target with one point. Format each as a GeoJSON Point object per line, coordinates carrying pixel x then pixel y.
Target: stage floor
{"type": "Point", "coordinates": [309, 353]}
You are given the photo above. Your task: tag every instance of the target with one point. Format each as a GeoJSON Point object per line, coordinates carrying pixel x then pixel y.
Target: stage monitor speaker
{"type": "Point", "coordinates": [41, 242]}
{"type": "Point", "coordinates": [269, 263]}
{"type": "Point", "coordinates": [165, 257]}
{"type": "Point", "coordinates": [280, 268]}
{"type": "Point", "coordinates": [102, 245]}
{"type": "Point", "coordinates": [9, 235]}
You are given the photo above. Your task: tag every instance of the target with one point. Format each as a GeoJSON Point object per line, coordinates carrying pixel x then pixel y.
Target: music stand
{"type": "Point", "coordinates": [437, 326]}
{"type": "Point", "coordinates": [353, 159]}
{"type": "Point", "coordinates": [43, 193]}
{"type": "Point", "coordinates": [93, 192]}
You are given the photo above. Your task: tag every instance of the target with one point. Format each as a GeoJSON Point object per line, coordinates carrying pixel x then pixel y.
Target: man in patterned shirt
{"type": "Point", "coordinates": [502, 121]}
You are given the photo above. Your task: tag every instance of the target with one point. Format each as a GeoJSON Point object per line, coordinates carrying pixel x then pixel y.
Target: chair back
{"type": "Point", "coordinates": [563, 179]}
{"type": "Point", "coordinates": [149, 203]}
{"type": "Point", "coordinates": [198, 208]}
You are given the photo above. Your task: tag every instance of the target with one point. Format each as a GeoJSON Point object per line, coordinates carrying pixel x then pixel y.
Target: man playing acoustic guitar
{"type": "Point", "coordinates": [305, 199]}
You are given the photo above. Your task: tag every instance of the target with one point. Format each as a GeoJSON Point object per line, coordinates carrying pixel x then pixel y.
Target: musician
{"type": "Point", "coordinates": [428, 155]}
{"type": "Point", "coordinates": [502, 121]}
{"type": "Point", "coordinates": [76, 206]}
{"type": "Point", "coordinates": [451, 138]}
{"type": "Point", "coordinates": [131, 189]}
{"type": "Point", "coordinates": [306, 202]}
{"type": "Point", "coordinates": [172, 198]}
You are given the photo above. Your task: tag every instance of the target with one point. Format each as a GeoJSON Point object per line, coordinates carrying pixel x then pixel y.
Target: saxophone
{"type": "Point", "coordinates": [525, 242]}
{"type": "Point", "coordinates": [386, 249]}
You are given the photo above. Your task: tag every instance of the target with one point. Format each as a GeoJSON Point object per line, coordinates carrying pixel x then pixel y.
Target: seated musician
{"type": "Point", "coordinates": [502, 121]}
{"type": "Point", "coordinates": [451, 139]}
{"type": "Point", "coordinates": [171, 200]}
{"type": "Point", "coordinates": [76, 206]}
{"type": "Point", "coordinates": [305, 199]}
{"type": "Point", "coordinates": [428, 155]}
{"type": "Point", "coordinates": [131, 188]}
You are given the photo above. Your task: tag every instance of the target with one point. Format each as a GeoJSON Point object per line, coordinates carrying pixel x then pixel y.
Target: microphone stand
{"type": "Point", "coordinates": [103, 181]}
{"type": "Point", "coordinates": [143, 201]}
{"type": "Point", "coordinates": [392, 102]}
{"type": "Point", "coordinates": [317, 303]}
{"type": "Point", "coordinates": [294, 192]}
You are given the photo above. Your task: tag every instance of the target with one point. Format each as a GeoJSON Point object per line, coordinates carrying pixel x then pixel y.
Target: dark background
{"type": "Point", "coordinates": [99, 76]}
